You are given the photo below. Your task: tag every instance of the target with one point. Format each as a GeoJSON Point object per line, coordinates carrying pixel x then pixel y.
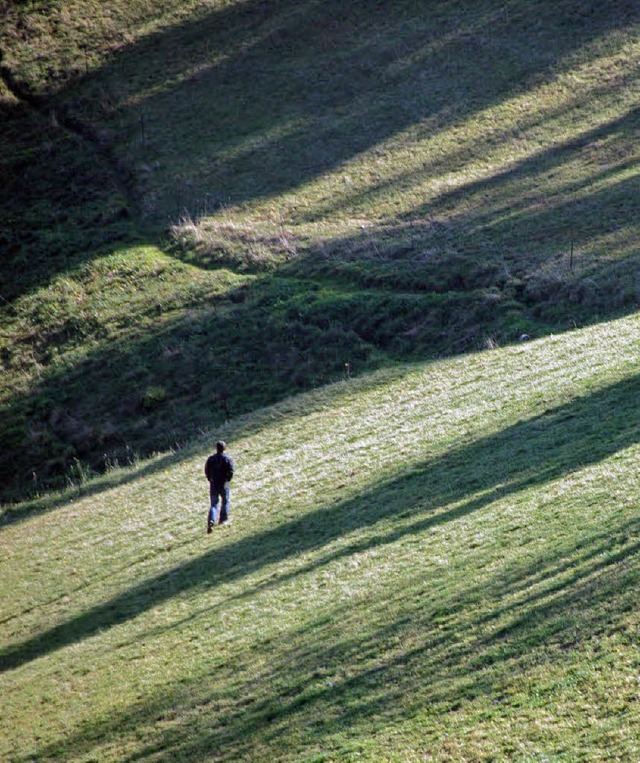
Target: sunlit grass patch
{"type": "Point", "coordinates": [436, 561]}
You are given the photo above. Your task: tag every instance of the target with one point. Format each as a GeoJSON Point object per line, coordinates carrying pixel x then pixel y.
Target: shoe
{"type": "Point", "coordinates": [209, 528]}
{"type": "Point", "coordinates": [226, 522]}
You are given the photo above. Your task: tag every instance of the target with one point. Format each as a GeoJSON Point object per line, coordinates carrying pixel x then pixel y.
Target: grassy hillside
{"type": "Point", "coordinates": [217, 204]}
{"type": "Point", "coordinates": [438, 562]}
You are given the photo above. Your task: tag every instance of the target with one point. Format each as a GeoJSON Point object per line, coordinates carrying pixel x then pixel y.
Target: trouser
{"type": "Point", "coordinates": [219, 494]}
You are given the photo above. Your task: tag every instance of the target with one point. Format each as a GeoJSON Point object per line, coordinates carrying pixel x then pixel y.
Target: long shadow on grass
{"type": "Point", "coordinates": [408, 289]}
{"type": "Point", "coordinates": [413, 652]}
{"type": "Point", "coordinates": [116, 478]}
{"type": "Point", "coordinates": [61, 203]}
{"type": "Point", "coordinates": [438, 289]}
{"type": "Point", "coordinates": [531, 453]}
{"type": "Point", "coordinates": [327, 82]}
{"type": "Point", "coordinates": [514, 235]}
{"type": "Point", "coordinates": [263, 417]}
{"type": "Point", "coordinates": [254, 99]}
{"type": "Point", "coordinates": [431, 659]}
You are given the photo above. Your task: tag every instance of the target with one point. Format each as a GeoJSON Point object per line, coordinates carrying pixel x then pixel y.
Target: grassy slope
{"type": "Point", "coordinates": [359, 184]}
{"type": "Point", "coordinates": [438, 562]}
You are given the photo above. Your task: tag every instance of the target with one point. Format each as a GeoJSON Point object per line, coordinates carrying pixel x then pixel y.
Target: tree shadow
{"type": "Point", "coordinates": [252, 100]}
{"type": "Point", "coordinates": [264, 97]}
{"type": "Point", "coordinates": [61, 204]}
{"type": "Point", "coordinates": [441, 671]}
{"type": "Point", "coordinates": [115, 478]}
{"type": "Point", "coordinates": [408, 291]}
{"type": "Point", "coordinates": [341, 673]}
{"type": "Point", "coordinates": [327, 82]}
{"type": "Point", "coordinates": [291, 144]}
{"type": "Point", "coordinates": [527, 454]}
{"type": "Point", "coordinates": [124, 473]}
{"type": "Point", "coordinates": [514, 235]}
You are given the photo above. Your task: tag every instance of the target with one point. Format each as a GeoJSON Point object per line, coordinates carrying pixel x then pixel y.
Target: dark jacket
{"type": "Point", "coordinates": [219, 469]}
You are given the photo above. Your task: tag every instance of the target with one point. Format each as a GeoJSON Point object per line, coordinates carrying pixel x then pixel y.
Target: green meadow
{"type": "Point", "coordinates": [389, 252]}
{"type": "Point", "coordinates": [438, 562]}
{"type": "Point", "coordinates": [215, 205]}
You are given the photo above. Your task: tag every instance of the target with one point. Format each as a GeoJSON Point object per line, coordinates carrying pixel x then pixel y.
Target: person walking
{"type": "Point", "coordinates": [219, 471]}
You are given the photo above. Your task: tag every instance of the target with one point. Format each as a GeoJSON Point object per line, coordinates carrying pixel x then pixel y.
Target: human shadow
{"type": "Point", "coordinates": [439, 491]}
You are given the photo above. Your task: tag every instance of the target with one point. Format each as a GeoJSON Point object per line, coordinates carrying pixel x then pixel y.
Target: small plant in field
{"type": "Point", "coordinates": [78, 475]}
{"type": "Point", "coordinates": [153, 397]}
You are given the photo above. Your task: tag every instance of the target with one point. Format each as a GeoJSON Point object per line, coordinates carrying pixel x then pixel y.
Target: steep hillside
{"type": "Point", "coordinates": [217, 204]}
{"type": "Point", "coordinates": [438, 562]}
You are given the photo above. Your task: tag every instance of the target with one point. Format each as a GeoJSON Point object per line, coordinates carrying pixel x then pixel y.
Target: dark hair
{"type": "Point", "coordinates": [220, 446]}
